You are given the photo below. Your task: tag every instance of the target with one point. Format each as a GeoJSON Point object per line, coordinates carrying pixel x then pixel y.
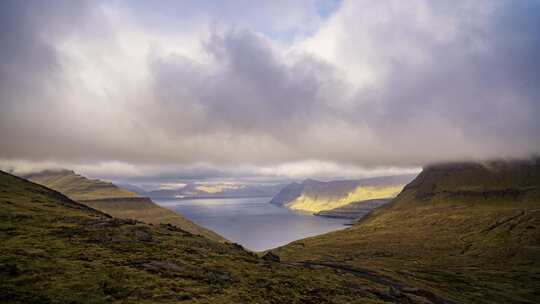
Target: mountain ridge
{"type": "Point", "coordinates": [316, 196]}
{"type": "Point", "coordinates": [77, 186]}
{"type": "Point", "coordinates": [113, 200]}
{"type": "Point", "coordinates": [55, 250]}
{"type": "Point", "coordinates": [468, 231]}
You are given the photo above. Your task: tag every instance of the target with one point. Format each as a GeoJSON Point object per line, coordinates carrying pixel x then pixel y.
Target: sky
{"type": "Point", "coordinates": [266, 90]}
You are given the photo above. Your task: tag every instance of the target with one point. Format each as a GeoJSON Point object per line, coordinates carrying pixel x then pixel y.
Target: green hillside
{"type": "Point", "coordinates": [144, 210]}
{"type": "Point", "coordinates": [354, 210]}
{"type": "Point", "coordinates": [55, 250]}
{"type": "Point", "coordinates": [469, 232]}
{"type": "Point", "coordinates": [78, 187]}
{"type": "Point", "coordinates": [113, 200]}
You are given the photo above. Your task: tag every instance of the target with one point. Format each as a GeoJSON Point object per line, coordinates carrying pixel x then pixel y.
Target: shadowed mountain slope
{"type": "Point", "coordinates": [113, 200]}
{"type": "Point", "coordinates": [55, 250]}
{"type": "Point", "coordinates": [468, 231]}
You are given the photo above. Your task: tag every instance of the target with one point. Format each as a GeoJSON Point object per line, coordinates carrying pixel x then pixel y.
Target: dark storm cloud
{"type": "Point", "coordinates": [378, 83]}
{"type": "Point", "coordinates": [478, 97]}
{"type": "Point", "coordinates": [34, 119]}
{"type": "Point", "coordinates": [28, 58]}
{"type": "Point", "coordinates": [251, 91]}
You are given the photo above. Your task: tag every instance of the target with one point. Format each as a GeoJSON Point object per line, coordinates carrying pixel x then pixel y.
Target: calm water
{"type": "Point", "coordinates": [252, 222]}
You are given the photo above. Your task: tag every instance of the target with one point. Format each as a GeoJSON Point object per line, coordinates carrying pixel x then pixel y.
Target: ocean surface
{"type": "Point", "coordinates": [252, 222]}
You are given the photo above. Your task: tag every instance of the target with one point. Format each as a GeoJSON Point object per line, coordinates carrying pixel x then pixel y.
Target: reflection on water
{"type": "Point", "coordinates": [252, 222]}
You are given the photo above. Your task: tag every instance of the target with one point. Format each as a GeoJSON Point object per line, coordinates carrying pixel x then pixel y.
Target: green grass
{"type": "Point", "coordinates": [78, 187]}
{"type": "Point", "coordinates": [113, 200]}
{"type": "Point", "coordinates": [467, 232]}
{"type": "Point", "coordinates": [54, 250]}
{"type": "Point", "coordinates": [144, 210]}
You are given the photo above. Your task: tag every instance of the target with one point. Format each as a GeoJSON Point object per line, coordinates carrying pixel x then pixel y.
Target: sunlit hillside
{"type": "Point", "coordinates": [361, 193]}
{"type": "Point", "coordinates": [314, 196]}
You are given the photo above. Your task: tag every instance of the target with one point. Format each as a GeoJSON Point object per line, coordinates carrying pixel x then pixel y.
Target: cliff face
{"type": "Point", "coordinates": [475, 182]}
{"type": "Point", "coordinates": [316, 196]}
{"type": "Point", "coordinates": [468, 230]}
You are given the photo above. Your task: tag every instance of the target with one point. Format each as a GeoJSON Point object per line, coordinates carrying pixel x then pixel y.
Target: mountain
{"type": "Point", "coordinates": [55, 250]}
{"type": "Point", "coordinates": [315, 196]}
{"type": "Point", "coordinates": [133, 188]}
{"type": "Point", "coordinates": [354, 210]}
{"type": "Point", "coordinates": [78, 187]}
{"type": "Point", "coordinates": [113, 200]}
{"type": "Point", "coordinates": [469, 232]}
{"type": "Point", "coordinates": [195, 190]}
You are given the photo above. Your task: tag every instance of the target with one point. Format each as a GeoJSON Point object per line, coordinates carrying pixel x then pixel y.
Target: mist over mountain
{"type": "Point", "coordinates": [309, 88]}
{"type": "Point", "coordinates": [214, 190]}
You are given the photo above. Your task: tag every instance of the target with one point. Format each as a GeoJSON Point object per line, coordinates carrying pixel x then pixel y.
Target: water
{"type": "Point", "coordinates": [252, 222]}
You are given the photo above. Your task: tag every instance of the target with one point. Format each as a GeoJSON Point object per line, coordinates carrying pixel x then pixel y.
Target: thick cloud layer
{"type": "Point", "coordinates": [354, 84]}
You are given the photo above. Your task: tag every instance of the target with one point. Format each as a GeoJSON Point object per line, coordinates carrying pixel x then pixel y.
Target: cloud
{"type": "Point", "coordinates": [119, 89]}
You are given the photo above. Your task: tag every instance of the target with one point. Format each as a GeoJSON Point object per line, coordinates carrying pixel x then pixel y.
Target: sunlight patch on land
{"type": "Point", "coordinates": [361, 193]}
{"type": "Point", "coordinates": [219, 187]}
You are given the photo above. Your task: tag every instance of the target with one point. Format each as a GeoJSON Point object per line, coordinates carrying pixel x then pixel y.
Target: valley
{"type": "Point", "coordinates": [252, 222]}
{"type": "Point", "coordinates": [453, 226]}
{"type": "Point", "coordinates": [270, 152]}
{"type": "Point", "coordinates": [55, 250]}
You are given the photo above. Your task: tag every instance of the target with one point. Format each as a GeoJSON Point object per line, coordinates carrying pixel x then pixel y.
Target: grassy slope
{"type": "Point", "coordinates": [465, 231]}
{"type": "Point", "coordinates": [143, 209]}
{"type": "Point", "coordinates": [113, 200]}
{"type": "Point", "coordinates": [78, 187]}
{"type": "Point", "coordinates": [354, 210]}
{"type": "Point", "coordinates": [55, 250]}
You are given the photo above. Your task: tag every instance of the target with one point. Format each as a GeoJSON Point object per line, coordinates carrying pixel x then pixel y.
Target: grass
{"type": "Point", "coordinates": [467, 232]}
{"type": "Point", "coordinates": [54, 250]}
{"type": "Point", "coordinates": [78, 187]}
{"type": "Point", "coordinates": [118, 202]}
{"type": "Point", "coordinates": [144, 210]}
